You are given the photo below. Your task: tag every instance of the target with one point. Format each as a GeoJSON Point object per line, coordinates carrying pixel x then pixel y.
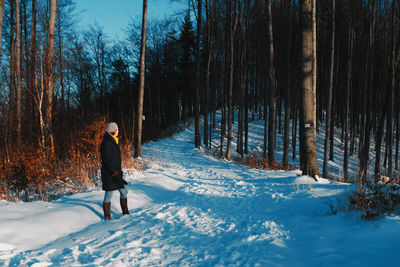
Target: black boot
{"type": "Point", "coordinates": [107, 212]}
{"type": "Point", "coordinates": [124, 205]}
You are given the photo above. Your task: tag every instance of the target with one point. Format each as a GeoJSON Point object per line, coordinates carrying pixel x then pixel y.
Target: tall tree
{"type": "Point", "coordinates": [209, 14]}
{"type": "Point", "coordinates": [231, 31]}
{"type": "Point", "coordinates": [348, 89]}
{"type": "Point", "coordinates": [142, 73]}
{"type": "Point", "coordinates": [285, 160]}
{"type": "Point", "coordinates": [1, 20]}
{"type": "Point", "coordinates": [369, 73]}
{"type": "Point", "coordinates": [50, 74]}
{"type": "Point", "coordinates": [18, 70]}
{"type": "Point", "coordinates": [329, 101]}
{"type": "Point", "coordinates": [314, 56]}
{"type": "Point", "coordinates": [392, 92]}
{"type": "Point", "coordinates": [197, 89]}
{"type": "Point", "coordinates": [12, 110]}
{"type": "Point", "coordinates": [272, 85]}
{"type": "Point", "coordinates": [308, 149]}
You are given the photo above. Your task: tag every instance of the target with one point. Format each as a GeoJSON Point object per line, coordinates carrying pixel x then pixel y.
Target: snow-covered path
{"type": "Point", "coordinates": [189, 208]}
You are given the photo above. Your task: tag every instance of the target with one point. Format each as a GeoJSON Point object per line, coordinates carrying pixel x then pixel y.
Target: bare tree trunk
{"type": "Point", "coordinates": [1, 20]}
{"type": "Point", "coordinates": [364, 151]}
{"type": "Point", "coordinates": [378, 138]}
{"type": "Point", "coordinates": [50, 74]}
{"type": "Point", "coordinates": [61, 66]}
{"type": "Point", "coordinates": [209, 10]}
{"type": "Point", "coordinates": [347, 109]}
{"type": "Point", "coordinates": [392, 95]}
{"type": "Point", "coordinates": [239, 148]}
{"type": "Point", "coordinates": [39, 104]}
{"type": "Point", "coordinates": [142, 68]}
{"type": "Point", "coordinates": [11, 116]}
{"type": "Point", "coordinates": [287, 91]}
{"type": "Point", "coordinates": [18, 69]}
{"type": "Point", "coordinates": [396, 161]}
{"type": "Point", "coordinates": [329, 103]}
{"type": "Point", "coordinates": [197, 90]}
{"type": "Point", "coordinates": [246, 119]}
{"type": "Point", "coordinates": [294, 124]}
{"type": "Point", "coordinates": [314, 56]}
{"type": "Point", "coordinates": [33, 81]}
{"type": "Point", "coordinates": [308, 151]}
{"type": "Point", "coordinates": [272, 86]}
{"type": "Point", "coordinates": [223, 93]}
{"type": "Point", "coordinates": [332, 134]}
{"type": "Point", "coordinates": [232, 28]}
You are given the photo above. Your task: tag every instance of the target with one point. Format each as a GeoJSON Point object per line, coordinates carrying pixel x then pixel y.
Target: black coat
{"type": "Point", "coordinates": [110, 163]}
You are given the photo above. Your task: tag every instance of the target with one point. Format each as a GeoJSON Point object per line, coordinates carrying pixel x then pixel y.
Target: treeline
{"type": "Point", "coordinates": [258, 56]}
{"type": "Point", "coordinates": [58, 82]}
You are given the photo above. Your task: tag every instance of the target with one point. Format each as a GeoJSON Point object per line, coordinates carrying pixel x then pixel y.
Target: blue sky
{"type": "Point", "coordinates": [114, 15]}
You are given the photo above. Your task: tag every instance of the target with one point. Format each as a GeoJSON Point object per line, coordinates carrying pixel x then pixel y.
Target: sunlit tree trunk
{"type": "Point", "coordinates": [61, 65]}
{"type": "Point", "coordinates": [314, 74]}
{"type": "Point", "coordinates": [12, 107]}
{"type": "Point", "coordinates": [142, 68]}
{"type": "Point", "coordinates": [308, 150]}
{"type": "Point", "coordinates": [18, 70]}
{"type": "Point", "coordinates": [50, 74]}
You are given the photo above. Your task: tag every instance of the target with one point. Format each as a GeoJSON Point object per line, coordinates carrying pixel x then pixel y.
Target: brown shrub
{"type": "Point", "coordinates": [255, 162]}
{"type": "Point", "coordinates": [375, 200]}
{"type": "Point", "coordinates": [128, 162]}
{"type": "Point", "coordinates": [33, 174]}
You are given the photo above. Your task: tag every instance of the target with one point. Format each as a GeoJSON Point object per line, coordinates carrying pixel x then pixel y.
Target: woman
{"type": "Point", "coordinates": [111, 173]}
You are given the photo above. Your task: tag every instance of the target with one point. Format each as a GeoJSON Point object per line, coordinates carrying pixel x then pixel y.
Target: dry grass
{"type": "Point", "coordinates": [33, 174]}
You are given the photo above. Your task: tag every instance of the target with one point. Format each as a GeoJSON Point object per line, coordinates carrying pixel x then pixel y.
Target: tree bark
{"type": "Point", "coordinates": [378, 138]}
{"type": "Point", "coordinates": [231, 30]}
{"type": "Point", "coordinates": [329, 103]}
{"type": "Point", "coordinates": [308, 150]}
{"type": "Point", "coordinates": [272, 86]}
{"type": "Point", "coordinates": [392, 94]}
{"type": "Point", "coordinates": [18, 70]}
{"type": "Point", "coordinates": [142, 73]}
{"type": "Point", "coordinates": [346, 122]}
{"type": "Point", "coordinates": [347, 108]}
{"type": "Point", "coordinates": [12, 110]}
{"type": "Point", "coordinates": [50, 74]}
{"type": "Point", "coordinates": [396, 159]}
{"type": "Point", "coordinates": [1, 21]}
{"type": "Point", "coordinates": [209, 10]}
{"type": "Point", "coordinates": [61, 65]}
{"type": "Point", "coordinates": [197, 90]}
{"type": "Point", "coordinates": [314, 70]}
{"type": "Point", "coordinates": [287, 91]}
{"type": "Point", "coordinates": [369, 70]}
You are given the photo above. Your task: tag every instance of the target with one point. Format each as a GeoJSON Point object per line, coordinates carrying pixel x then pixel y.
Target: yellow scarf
{"type": "Point", "coordinates": [113, 136]}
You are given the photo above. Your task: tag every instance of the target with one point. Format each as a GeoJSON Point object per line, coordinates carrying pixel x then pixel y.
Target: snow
{"type": "Point", "coordinates": [190, 208]}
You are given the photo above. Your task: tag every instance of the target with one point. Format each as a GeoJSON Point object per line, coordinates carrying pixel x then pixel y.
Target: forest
{"type": "Point", "coordinates": [296, 65]}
